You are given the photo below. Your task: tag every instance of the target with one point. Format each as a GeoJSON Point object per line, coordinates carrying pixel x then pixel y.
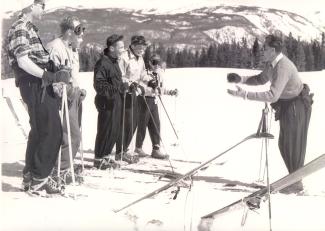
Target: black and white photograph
{"type": "Point", "coordinates": [161, 115]}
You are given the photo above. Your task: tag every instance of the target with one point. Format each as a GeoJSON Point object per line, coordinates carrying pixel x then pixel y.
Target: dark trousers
{"type": "Point", "coordinates": [108, 126]}
{"type": "Point", "coordinates": [45, 136]}
{"type": "Point", "coordinates": [146, 120]}
{"type": "Point", "coordinates": [130, 113]}
{"type": "Point", "coordinates": [294, 122]}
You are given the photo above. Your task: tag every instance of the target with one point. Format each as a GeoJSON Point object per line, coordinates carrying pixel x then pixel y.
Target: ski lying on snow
{"type": "Point", "coordinates": [252, 200]}
{"type": "Point", "coordinates": [193, 171]}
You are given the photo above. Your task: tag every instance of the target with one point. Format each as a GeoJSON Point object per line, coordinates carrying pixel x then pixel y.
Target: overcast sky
{"type": "Point", "coordinates": [303, 7]}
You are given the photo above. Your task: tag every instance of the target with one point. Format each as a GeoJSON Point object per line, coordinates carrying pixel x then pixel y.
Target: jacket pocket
{"type": "Point", "coordinates": [104, 103]}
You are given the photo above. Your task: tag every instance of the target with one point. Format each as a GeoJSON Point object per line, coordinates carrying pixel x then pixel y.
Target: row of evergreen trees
{"type": "Point", "coordinates": [308, 56]}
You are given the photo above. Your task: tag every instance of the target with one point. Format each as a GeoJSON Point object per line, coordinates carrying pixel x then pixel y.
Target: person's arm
{"type": "Point", "coordinates": [282, 74]}
{"type": "Point", "coordinates": [259, 79]}
{"type": "Point", "coordinates": [25, 63]}
{"type": "Point", "coordinates": [101, 85]}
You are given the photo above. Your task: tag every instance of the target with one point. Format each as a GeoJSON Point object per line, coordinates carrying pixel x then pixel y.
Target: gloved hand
{"type": "Point", "coordinates": [60, 76]}
{"type": "Point", "coordinates": [124, 87]}
{"type": "Point", "coordinates": [133, 87]}
{"type": "Point", "coordinates": [233, 78]}
{"type": "Point", "coordinates": [140, 90]}
{"type": "Point", "coordinates": [153, 83]}
{"type": "Point", "coordinates": [239, 93]}
{"type": "Point", "coordinates": [83, 94]}
{"type": "Point", "coordinates": [173, 92]}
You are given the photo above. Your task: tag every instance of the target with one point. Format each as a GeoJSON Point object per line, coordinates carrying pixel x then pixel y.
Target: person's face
{"type": "Point", "coordinates": [269, 53]}
{"type": "Point", "coordinates": [38, 10]}
{"type": "Point", "coordinates": [76, 37]}
{"type": "Point", "coordinates": [138, 50]}
{"type": "Point", "coordinates": [119, 48]}
{"type": "Point", "coordinates": [155, 65]}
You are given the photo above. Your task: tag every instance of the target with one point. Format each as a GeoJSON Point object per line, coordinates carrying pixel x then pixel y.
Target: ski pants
{"type": "Point", "coordinates": [130, 113]}
{"type": "Point", "coordinates": [108, 124]}
{"type": "Point", "coordinates": [294, 122]}
{"type": "Point", "coordinates": [148, 116]}
{"type": "Point", "coordinates": [45, 134]}
{"type": "Point", "coordinates": [75, 112]}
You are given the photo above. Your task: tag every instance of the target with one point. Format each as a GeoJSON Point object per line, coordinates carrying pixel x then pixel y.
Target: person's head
{"type": "Point", "coordinates": [138, 45]}
{"type": "Point", "coordinates": [155, 62]}
{"type": "Point", "coordinates": [72, 30]}
{"type": "Point", "coordinates": [115, 45]}
{"type": "Point", "coordinates": [36, 9]}
{"type": "Point", "coordinates": [272, 47]}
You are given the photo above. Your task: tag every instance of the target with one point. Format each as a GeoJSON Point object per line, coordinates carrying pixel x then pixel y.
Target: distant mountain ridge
{"type": "Point", "coordinates": [181, 28]}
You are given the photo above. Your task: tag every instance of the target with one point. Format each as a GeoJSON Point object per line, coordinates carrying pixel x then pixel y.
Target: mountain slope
{"type": "Point", "coordinates": [182, 27]}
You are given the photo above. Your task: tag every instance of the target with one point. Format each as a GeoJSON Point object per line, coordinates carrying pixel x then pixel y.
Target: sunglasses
{"type": "Point", "coordinates": [78, 30]}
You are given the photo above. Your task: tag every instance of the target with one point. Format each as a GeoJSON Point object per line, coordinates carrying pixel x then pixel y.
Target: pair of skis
{"type": "Point", "coordinates": [252, 201]}
{"type": "Point", "coordinates": [193, 171]}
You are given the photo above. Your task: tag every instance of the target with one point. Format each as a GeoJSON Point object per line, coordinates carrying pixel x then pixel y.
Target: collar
{"type": "Point", "coordinates": [277, 59]}
{"type": "Point", "coordinates": [131, 54]}
{"type": "Point", "coordinates": [108, 55]}
{"type": "Point", "coordinates": [29, 24]}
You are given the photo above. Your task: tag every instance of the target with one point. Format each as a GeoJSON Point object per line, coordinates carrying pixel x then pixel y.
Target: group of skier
{"type": "Point", "coordinates": [126, 99]}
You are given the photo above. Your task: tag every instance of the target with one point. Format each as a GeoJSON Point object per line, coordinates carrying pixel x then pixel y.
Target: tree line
{"type": "Point", "coordinates": [307, 56]}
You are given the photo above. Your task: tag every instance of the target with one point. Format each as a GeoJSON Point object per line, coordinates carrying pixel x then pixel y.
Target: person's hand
{"type": "Point", "coordinates": [58, 89]}
{"type": "Point", "coordinates": [83, 94]}
{"type": "Point", "coordinates": [60, 76]}
{"type": "Point", "coordinates": [153, 83]}
{"type": "Point", "coordinates": [124, 87]}
{"type": "Point", "coordinates": [173, 92]}
{"type": "Point", "coordinates": [140, 90]}
{"type": "Point", "coordinates": [239, 92]}
{"type": "Point", "coordinates": [233, 78]}
{"type": "Point", "coordinates": [133, 87]}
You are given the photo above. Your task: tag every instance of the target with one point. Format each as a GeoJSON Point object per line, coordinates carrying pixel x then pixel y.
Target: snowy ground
{"type": "Point", "coordinates": [208, 122]}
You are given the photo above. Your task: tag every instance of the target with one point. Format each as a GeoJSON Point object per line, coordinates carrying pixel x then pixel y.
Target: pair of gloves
{"type": "Point", "coordinates": [153, 83]}
{"type": "Point", "coordinates": [49, 78]}
{"type": "Point", "coordinates": [235, 78]}
{"type": "Point", "coordinates": [133, 87]}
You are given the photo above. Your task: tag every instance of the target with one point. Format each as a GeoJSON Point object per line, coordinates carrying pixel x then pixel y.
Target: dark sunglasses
{"type": "Point", "coordinates": [155, 62]}
{"type": "Point", "coordinates": [78, 30]}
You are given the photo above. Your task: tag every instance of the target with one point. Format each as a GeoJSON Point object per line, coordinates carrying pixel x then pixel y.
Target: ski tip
{"type": "Point", "coordinates": [205, 224]}
{"type": "Point", "coordinates": [116, 210]}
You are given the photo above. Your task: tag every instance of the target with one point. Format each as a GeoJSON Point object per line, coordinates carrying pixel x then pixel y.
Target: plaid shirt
{"type": "Point", "coordinates": [23, 40]}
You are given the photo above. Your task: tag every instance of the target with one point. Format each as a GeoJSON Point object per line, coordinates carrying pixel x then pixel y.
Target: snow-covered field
{"type": "Point", "coordinates": [208, 121]}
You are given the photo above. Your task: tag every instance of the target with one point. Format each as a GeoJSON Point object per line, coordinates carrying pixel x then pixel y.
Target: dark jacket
{"type": "Point", "coordinates": [107, 81]}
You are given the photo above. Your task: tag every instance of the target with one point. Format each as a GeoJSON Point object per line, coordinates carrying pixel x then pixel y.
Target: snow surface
{"type": "Point", "coordinates": [208, 122]}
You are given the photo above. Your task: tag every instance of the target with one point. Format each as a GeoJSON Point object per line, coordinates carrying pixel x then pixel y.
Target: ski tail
{"type": "Point", "coordinates": [282, 183]}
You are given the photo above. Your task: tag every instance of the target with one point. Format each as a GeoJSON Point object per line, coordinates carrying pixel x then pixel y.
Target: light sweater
{"type": "Point", "coordinates": [284, 79]}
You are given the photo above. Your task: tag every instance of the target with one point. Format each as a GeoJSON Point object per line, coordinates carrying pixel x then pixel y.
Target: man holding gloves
{"type": "Point", "coordinates": [288, 96]}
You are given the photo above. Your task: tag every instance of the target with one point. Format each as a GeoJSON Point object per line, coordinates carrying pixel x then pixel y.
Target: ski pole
{"type": "Point", "coordinates": [69, 136]}
{"type": "Point", "coordinates": [158, 131]}
{"type": "Point", "coordinates": [168, 116]}
{"type": "Point", "coordinates": [60, 151]}
{"type": "Point", "coordinates": [123, 121]}
{"type": "Point", "coordinates": [81, 150]}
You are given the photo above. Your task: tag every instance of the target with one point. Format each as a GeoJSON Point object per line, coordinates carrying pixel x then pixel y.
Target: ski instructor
{"type": "Point", "coordinates": [290, 99]}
